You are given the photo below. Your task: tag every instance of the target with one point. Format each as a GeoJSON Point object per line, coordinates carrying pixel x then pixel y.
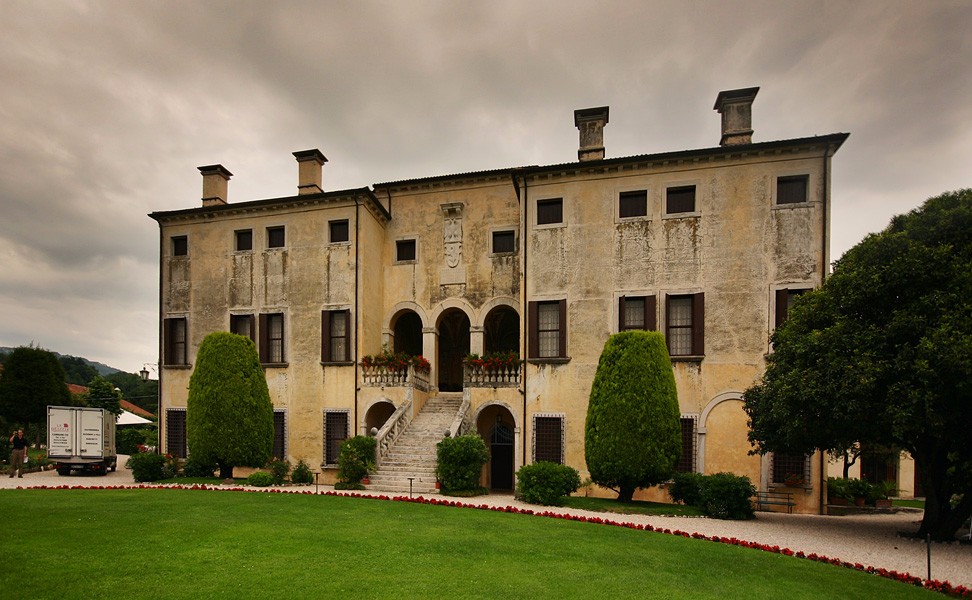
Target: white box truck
{"type": "Point", "coordinates": [80, 438]}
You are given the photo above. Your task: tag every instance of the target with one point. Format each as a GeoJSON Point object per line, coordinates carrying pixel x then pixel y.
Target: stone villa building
{"type": "Point", "coordinates": [707, 246]}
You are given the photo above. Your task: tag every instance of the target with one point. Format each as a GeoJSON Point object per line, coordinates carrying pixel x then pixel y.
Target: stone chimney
{"type": "Point", "coordinates": [590, 122]}
{"type": "Point", "coordinates": [736, 108]}
{"type": "Point", "coordinates": [309, 173]}
{"type": "Point", "coordinates": [215, 178]}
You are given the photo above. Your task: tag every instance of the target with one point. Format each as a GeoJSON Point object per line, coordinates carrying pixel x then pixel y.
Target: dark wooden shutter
{"type": "Point", "coordinates": [533, 330]}
{"type": "Point", "coordinates": [325, 336]}
{"type": "Point", "coordinates": [621, 322]}
{"type": "Point", "coordinates": [651, 313]}
{"type": "Point", "coordinates": [781, 306]}
{"type": "Point", "coordinates": [347, 336]}
{"type": "Point", "coordinates": [264, 340]}
{"type": "Point", "coordinates": [562, 349]}
{"type": "Point", "coordinates": [698, 324]}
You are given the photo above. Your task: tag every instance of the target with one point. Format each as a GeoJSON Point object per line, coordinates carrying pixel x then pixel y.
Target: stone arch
{"type": "Point", "coordinates": [451, 303]}
{"type": "Point", "coordinates": [723, 441]}
{"type": "Point", "coordinates": [497, 423]}
{"type": "Point", "coordinates": [418, 320]}
{"type": "Point", "coordinates": [376, 413]}
{"type": "Point", "coordinates": [492, 303]}
{"type": "Point", "coordinates": [452, 345]}
{"type": "Point", "coordinates": [502, 329]}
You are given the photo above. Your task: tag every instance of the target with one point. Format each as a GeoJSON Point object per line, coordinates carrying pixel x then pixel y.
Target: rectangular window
{"type": "Point", "coordinates": [633, 204]}
{"type": "Point", "coordinates": [272, 338]}
{"type": "Point", "coordinates": [275, 237]}
{"type": "Point", "coordinates": [791, 468]}
{"type": "Point", "coordinates": [338, 231]}
{"type": "Point", "coordinates": [548, 329]}
{"type": "Point", "coordinates": [637, 312]}
{"type": "Point", "coordinates": [792, 189]}
{"type": "Point", "coordinates": [244, 240]}
{"type": "Point", "coordinates": [550, 211]}
{"type": "Point", "coordinates": [174, 332]}
{"type": "Point", "coordinates": [280, 435]}
{"type": "Point", "coordinates": [175, 432]}
{"type": "Point", "coordinates": [784, 302]}
{"type": "Point", "coordinates": [548, 439]}
{"type": "Point", "coordinates": [243, 325]}
{"type": "Point", "coordinates": [404, 250]}
{"type": "Point", "coordinates": [180, 246]}
{"type": "Point", "coordinates": [504, 242]}
{"type": "Point", "coordinates": [685, 316]}
{"type": "Point", "coordinates": [680, 199]}
{"type": "Point", "coordinates": [335, 432]}
{"type": "Point", "coordinates": [686, 463]}
{"type": "Point", "coordinates": [335, 336]}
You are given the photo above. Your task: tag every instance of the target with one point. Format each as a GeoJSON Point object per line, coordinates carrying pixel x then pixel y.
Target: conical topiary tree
{"type": "Point", "coordinates": [230, 416]}
{"type": "Point", "coordinates": [632, 437]}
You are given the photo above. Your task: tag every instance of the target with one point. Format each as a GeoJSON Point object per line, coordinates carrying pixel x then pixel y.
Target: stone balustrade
{"type": "Point", "coordinates": [483, 376]}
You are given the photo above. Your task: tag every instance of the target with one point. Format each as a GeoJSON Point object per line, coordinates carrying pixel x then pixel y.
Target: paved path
{"type": "Point", "coordinates": [867, 539]}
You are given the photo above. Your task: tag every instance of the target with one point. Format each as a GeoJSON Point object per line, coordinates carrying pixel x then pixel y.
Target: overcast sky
{"type": "Point", "coordinates": [107, 108]}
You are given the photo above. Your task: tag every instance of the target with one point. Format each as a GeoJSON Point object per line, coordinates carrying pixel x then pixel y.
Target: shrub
{"type": "Point", "coordinates": [194, 467]}
{"type": "Point", "coordinates": [838, 487]}
{"type": "Point", "coordinates": [148, 466]}
{"type": "Point", "coordinates": [860, 488]}
{"type": "Point", "coordinates": [279, 470]}
{"type": "Point", "coordinates": [302, 473]}
{"type": "Point", "coordinates": [459, 462]}
{"type": "Point", "coordinates": [347, 485]}
{"type": "Point", "coordinates": [632, 435]}
{"type": "Point", "coordinates": [260, 479]}
{"type": "Point", "coordinates": [546, 482]}
{"type": "Point", "coordinates": [357, 457]}
{"type": "Point", "coordinates": [128, 439]}
{"type": "Point", "coordinates": [687, 488]}
{"type": "Point", "coordinates": [727, 496]}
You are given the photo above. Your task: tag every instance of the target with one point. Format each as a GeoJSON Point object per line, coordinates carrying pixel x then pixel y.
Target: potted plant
{"type": "Point", "coordinates": [884, 491]}
{"type": "Point", "coordinates": [859, 490]}
{"type": "Point", "coordinates": [838, 491]}
{"type": "Point", "coordinates": [793, 480]}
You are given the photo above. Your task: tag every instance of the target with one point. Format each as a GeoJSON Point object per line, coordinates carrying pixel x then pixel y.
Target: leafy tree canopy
{"type": "Point", "coordinates": [632, 434]}
{"type": "Point", "coordinates": [32, 379]}
{"type": "Point", "coordinates": [229, 418]}
{"type": "Point", "coordinates": [76, 370]}
{"type": "Point", "coordinates": [103, 394]}
{"type": "Point", "coordinates": [881, 355]}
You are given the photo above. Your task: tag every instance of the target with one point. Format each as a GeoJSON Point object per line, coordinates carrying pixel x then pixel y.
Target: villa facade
{"type": "Point", "coordinates": [707, 246]}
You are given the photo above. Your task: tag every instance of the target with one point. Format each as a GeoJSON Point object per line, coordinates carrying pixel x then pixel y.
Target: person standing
{"type": "Point", "coordinates": [18, 453]}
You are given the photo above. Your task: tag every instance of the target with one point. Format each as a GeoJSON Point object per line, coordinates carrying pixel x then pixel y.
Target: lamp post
{"type": "Point", "coordinates": [144, 373]}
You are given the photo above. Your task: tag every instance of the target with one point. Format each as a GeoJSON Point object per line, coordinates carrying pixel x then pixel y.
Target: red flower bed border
{"type": "Point", "coordinates": [957, 591]}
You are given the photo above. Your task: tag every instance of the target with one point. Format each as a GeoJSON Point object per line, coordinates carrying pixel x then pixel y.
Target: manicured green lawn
{"type": "Point", "coordinates": [204, 544]}
{"type": "Point", "coordinates": [631, 508]}
{"type": "Point", "coordinates": [908, 503]}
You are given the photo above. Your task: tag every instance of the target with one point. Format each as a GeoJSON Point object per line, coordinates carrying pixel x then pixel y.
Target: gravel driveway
{"type": "Point", "coordinates": [867, 539]}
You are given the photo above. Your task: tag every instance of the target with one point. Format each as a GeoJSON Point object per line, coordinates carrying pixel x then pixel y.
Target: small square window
{"type": "Point", "coordinates": [550, 211]}
{"type": "Point", "coordinates": [275, 237]}
{"type": "Point", "coordinates": [792, 190]}
{"type": "Point", "coordinates": [633, 204]}
{"type": "Point", "coordinates": [180, 246]}
{"type": "Point", "coordinates": [680, 199]}
{"type": "Point", "coordinates": [504, 242]}
{"type": "Point", "coordinates": [404, 250]}
{"type": "Point", "coordinates": [244, 240]}
{"type": "Point", "coordinates": [338, 231]}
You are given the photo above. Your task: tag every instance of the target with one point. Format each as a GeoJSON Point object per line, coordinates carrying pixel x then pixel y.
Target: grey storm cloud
{"type": "Point", "coordinates": [106, 108]}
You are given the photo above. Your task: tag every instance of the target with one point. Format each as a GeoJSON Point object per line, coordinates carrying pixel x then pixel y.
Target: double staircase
{"type": "Point", "coordinates": [413, 454]}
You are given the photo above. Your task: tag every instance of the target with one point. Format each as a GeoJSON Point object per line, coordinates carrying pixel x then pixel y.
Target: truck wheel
{"type": "Point", "coordinates": [114, 466]}
{"type": "Point", "coordinates": [64, 470]}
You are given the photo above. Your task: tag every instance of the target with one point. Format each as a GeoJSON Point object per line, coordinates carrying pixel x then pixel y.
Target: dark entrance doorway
{"type": "Point", "coordinates": [408, 333]}
{"type": "Point", "coordinates": [501, 330]}
{"type": "Point", "coordinates": [501, 457]}
{"type": "Point", "coordinates": [453, 347]}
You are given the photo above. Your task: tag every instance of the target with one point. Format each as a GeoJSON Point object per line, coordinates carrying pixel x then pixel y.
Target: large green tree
{"type": "Point", "coordinates": [32, 379]}
{"type": "Point", "coordinates": [881, 355]}
{"type": "Point", "coordinates": [76, 370]}
{"type": "Point", "coordinates": [632, 437]}
{"type": "Point", "coordinates": [103, 394]}
{"type": "Point", "coordinates": [230, 416]}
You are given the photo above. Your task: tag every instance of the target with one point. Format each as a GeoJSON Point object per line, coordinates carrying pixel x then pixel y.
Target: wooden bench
{"type": "Point", "coordinates": [771, 498]}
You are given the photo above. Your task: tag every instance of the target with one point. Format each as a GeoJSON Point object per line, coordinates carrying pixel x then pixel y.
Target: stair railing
{"type": "Point", "coordinates": [392, 428]}
{"type": "Point", "coordinates": [458, 423]}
